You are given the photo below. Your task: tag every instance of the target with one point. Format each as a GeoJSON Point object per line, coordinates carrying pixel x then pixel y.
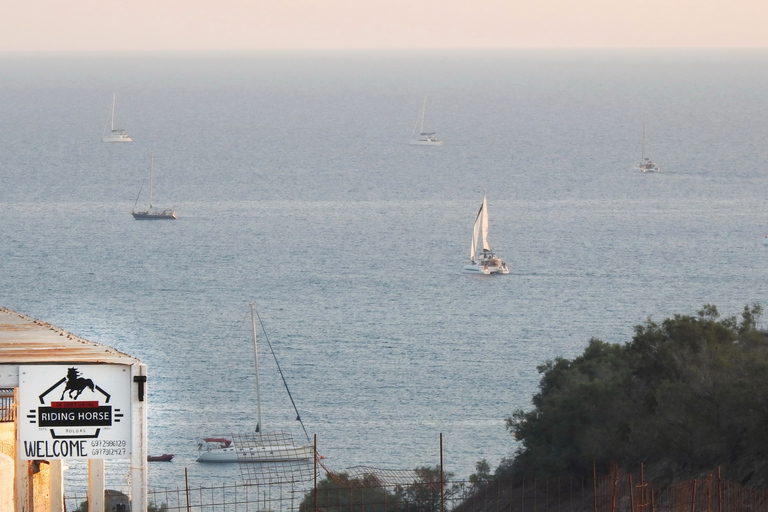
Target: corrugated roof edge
{"type": "Point", "coordinates": [47, 345]}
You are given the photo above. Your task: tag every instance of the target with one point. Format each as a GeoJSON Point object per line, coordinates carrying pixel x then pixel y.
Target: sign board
{"type": "Point", "coordinates": [74, 411]}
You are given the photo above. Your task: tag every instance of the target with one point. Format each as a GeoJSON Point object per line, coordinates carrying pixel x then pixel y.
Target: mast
{"type": "Point", "coordinates": [256, 363]}
{"type": "Point", "coordinates": [112, 122]}
{"type": "Point", "coordinates": [151, 177]}
{"type": "Point", "coordinates": [423, 113]}
{"type": "Point", "coordinates": [643, 157]}
{"type": "Point", "coordinates": [486, 247]}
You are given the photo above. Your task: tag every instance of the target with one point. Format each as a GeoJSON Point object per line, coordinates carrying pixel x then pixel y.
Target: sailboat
{"type": "Point", "coordinates": [259, 446]}
{"type": "Point", "coordinates": [112, 134]}
{"type": "Point", "coordinates": [482, 258]}
{"type": "Point", "coordinates": [646, 164]}
{"type": "Point", "coordinates": [152, 213]}
{"type": "Point", "coordinates": [420, 137]}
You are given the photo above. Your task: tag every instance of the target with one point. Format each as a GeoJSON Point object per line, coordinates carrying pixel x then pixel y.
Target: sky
{"type": "Point", "coordinates": [216, 25]}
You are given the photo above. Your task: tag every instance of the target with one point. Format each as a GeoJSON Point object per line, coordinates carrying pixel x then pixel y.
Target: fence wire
{"type": "Point", "coordinates": [363, 489]}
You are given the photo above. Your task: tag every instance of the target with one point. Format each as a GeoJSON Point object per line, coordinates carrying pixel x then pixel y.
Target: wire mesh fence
{"type": "Point", "coordinates": [363, 489]}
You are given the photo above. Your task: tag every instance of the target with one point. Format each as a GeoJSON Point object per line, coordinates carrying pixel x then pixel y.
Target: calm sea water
{"type": "Point", "coordinates": [296, 189]}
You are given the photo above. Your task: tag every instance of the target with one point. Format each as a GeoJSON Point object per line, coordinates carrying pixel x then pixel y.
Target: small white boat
{"type": "Point", "coordinates": [421, 138]}
{"type": "Point", "coordinates": [258, 446]}
{"type": "Point", "coordinates": [152, 213]}
{"type": "Point", "coordinates": [646, 164]}
{"type": "Point", "coordinates": [482, 258]}
{"type": "Point", "coordinates": [112, 134]}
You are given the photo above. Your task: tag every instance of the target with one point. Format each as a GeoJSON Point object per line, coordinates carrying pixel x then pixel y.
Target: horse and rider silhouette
{"type": "Point", "coordinates": [76, 384]}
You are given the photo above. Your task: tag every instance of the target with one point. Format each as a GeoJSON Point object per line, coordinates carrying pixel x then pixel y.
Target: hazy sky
{"type": "Point", "coordinates": [140, 25]}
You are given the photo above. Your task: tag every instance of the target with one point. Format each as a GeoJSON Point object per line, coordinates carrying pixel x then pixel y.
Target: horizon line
{"type": "Point", "coordinates": [381, 50]}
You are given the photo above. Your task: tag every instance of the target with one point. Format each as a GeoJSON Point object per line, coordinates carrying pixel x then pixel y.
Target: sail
{"type": "Point", "coordinates": [419, 128]}
{"type": "Point", "coordinates": [476, 234]}
{"type": "Point", "coordinates": [484, 211]}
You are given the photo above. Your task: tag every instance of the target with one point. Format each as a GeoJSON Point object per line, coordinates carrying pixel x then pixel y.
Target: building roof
{"type": "Point", "coordinates": [25, 340]}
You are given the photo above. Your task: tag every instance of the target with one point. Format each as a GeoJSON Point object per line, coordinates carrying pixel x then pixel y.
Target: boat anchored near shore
{"type": "Point", "coordinates": [257, 446]}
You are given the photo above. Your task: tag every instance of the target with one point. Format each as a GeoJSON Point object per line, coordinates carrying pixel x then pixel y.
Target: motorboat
{"type": "Point", "coordinates": [166, 457]}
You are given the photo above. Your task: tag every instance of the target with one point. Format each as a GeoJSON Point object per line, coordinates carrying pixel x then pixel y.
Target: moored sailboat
{"type": "Point", "coordinates": [482, 259]}
{"type": "Point", "coordinates": [258, 446]}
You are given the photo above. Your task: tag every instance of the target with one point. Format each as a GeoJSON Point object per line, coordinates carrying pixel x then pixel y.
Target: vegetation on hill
{"type": "Point", "coordinates": [690, 392]}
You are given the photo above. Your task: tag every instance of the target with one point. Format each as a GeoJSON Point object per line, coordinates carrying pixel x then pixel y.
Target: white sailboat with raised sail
{"type": "Point", "coordinates": [646, 164]}
{"type": "Point", "coordinates": [421, 138]}
{"type": "Point", "coordinates": [482, 258]}
{"type": "Point", "coordinates": [259, 446]}
{"type": "Point", "coordinates": [152, 213]}
{"type": "Point", "coordinates": [112, 134]}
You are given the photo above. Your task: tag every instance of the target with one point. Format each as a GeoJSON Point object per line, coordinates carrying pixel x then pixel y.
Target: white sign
{"type": "Point", "coordinates": [75, 411]}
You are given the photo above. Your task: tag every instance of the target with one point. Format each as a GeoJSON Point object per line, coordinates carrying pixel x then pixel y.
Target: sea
{"type": "Point", "coordinates": [296, 189]}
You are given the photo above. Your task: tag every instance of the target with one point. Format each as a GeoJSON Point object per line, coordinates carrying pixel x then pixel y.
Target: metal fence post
{"type": "Point", "coordinates": [442, 480]}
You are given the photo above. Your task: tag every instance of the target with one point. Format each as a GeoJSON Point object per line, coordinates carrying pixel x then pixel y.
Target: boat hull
{"type": "Point", "coordinates": [116, 139]}
{"type": "Point", "coordinates": [647, 165]}
{"type": "Point", "coordinates": [277, 453]}
{"type": "Point", "coordinates": [154, 216]}
{"type": "Point", "coordinates": [426, 143]}
{"type": "Point", "coordinates": [476, 269]}
{"type": "Point", "coordinates": [485, 270]}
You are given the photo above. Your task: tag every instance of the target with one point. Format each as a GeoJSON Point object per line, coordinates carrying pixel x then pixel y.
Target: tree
{"type": "Point", "coordinates": [340, 493]}
{"type": "Point", "coordinates": [691, 390]}
{"type": "Point", "coordinates": [483, 473]}
{"type": "Point", "coordinates": [426, 491]}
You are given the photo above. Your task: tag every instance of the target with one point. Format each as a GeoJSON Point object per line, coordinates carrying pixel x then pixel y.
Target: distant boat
{"type": "Point", "coordinates": [482, 258]}
{"type": "Point", "coordinates": [421, 138]}
{"type": "Point", "coordinates": [646, 164]}
{"type": "Point", "coordinates": [152, 213]}
{"type": "Point", "coordinates": [112, 134]}
{"type": "Point", "coordinates": [259, 446]}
